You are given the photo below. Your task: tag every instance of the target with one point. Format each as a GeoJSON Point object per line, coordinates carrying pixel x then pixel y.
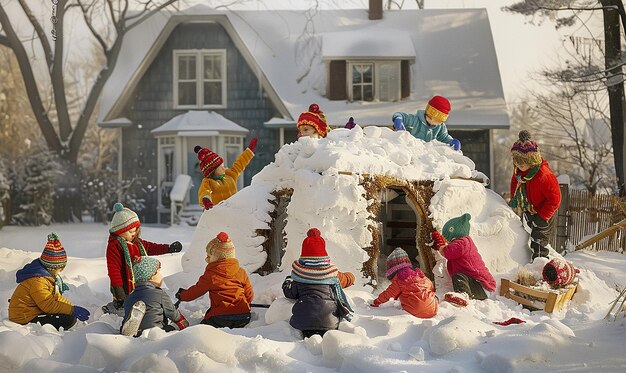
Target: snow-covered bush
{"type": "Point", "coordinates": [33, 189]}
{"type": "Point", "coordinates": [4, 194]}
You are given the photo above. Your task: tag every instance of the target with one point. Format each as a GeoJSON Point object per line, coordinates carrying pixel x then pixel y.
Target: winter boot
{"type": "Point", "coordinates": [131, 326]}
{"type": "Point", "coordinates": [462, 283]}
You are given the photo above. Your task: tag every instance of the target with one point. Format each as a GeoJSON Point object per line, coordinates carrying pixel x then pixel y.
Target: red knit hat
{"type": "Point", "coordinates": [314, 118]}
{"type": "Point", "coordinates": [313, 245]}
{"type": "Point", "coordinates": [438, 108]}
{"type": "Point", "coordinates": [559, 272]}
{"type": "Point", "coordinates": [209, 161]}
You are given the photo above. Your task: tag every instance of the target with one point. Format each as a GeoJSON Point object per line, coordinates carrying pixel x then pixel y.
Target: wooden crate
{"type": "Point", "coordinates": [554, 301]}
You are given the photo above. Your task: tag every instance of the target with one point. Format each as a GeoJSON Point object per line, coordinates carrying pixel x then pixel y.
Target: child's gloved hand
{"type": "Point", "coordinates": [398, 125]}
{"type": "Point", "coordinates": [177, 295]}
{"type": "Point", "coordinates": [438, 240]}
{"type": "Point", "coordinates": [252, 145]}
{"type": "Point", "coordinates": [175, 247]}
{"type": "Point", "coordinates": [81, 313]}
{"type": "Point", "coordinates": [455, 144]}
{"type": "Point", "coordinates": [206, 201]}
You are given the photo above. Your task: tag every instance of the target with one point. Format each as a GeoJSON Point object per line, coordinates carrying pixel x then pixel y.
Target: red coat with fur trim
{"type": "Point", "coordinates": [542, 190]}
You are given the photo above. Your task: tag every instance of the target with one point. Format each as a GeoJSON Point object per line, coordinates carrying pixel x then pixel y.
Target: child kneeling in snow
{"type": "Point", "coordinates": [38, 297]}
{"type": "Point", "coordinates": [148, 306]}
{"type": "Point", "coordinates": [316, 285]}
{"type": "Point", "coordinates": [123, 247]}
{"type": "Point", "coordinates": [465, 265]}
{"type": "Point", "coordinates": [228, 285]}
{"type": "Point", "coordinates": [414, 290]}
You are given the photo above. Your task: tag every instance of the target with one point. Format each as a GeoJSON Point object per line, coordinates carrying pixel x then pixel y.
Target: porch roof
{"type": "Point", "coordinates": [195, 122]}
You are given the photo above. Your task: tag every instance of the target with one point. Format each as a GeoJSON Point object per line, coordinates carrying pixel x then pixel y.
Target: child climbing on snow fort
{"type": "Point", "coordinates": [469, 273]}
{"type": "Point", "coordinates": [312, 123]}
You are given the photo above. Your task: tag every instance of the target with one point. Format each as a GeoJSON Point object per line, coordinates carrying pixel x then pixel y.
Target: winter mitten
{"type": "Point", "coordinates": [398, 125]}
{"type": "Point", "coordinates": [175, 247]}
{"type": "Point", "coordinates": [350, 125]}
{"type": "Point", "coordinates": [64, 287]}
{"type": "Point", "coordinates": [206, 201]}
{"type": "Point", "coordinates": [457, 299]}
{"type": "Point", "coordinates": [539, 222]}
{"type": "Point", "coordinates": [512, 320]}
{"type": "Point", "coordinates": [119, 294]}
{"type": "Point", "coordinates": [438, 240]}
{"type": "Point", "coordinates": [252, 145]}
{"type": "Point", "coordinates": [81, 313]}
{"type": "Point", "coordinates": [455, 144]}
{"type": "Point", "coordinates": [177, 295]}
{"type": "Point", "coordinates": [182, 323]}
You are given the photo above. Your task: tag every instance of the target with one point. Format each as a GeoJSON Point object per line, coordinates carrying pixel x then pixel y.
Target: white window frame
{"type": "Point", "coordinates": [375, 79]}
{"type": "Point", "coordinates": [199, 55]}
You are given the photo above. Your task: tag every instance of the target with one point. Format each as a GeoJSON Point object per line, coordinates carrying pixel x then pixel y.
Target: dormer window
{"type": "Point", "coordinates": [374, 81]}
{"type": "Point", "coordinates": [199, 78]}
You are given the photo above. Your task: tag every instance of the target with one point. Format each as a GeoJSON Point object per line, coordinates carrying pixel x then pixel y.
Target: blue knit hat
{"type": "Point", "coordinates": [145, 267]}
{"type": "Point", "coordinates": [457, 227]}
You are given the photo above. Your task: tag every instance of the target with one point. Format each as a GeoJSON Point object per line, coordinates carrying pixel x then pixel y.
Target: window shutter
{"type": "Point", "coordinates": [337, 80]}
{"type": "Point", "coordinates": [405, 79]}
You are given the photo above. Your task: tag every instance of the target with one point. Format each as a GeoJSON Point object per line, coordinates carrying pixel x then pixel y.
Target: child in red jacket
{"type": "Point", "coordinates": [226, 282]}
{"type": "Point", "coordinates": [414, 290]}
{"type": "Point", "coordinates": [535, 192]}
{"type": "Point", "coordinates": [469, 273]}
{"type": "Point", "coordinates": [125, 245]}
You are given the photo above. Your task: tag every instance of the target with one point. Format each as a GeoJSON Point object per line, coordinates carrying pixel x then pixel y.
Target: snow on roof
{"type": "Point", "coordinates": [389, 44]}
{"type": "Point", "coordinates": [195, 122]}
{"type": "Point", "coordinates": [328, 194]}
{"type": "Point", "coordinates": [454, 56]}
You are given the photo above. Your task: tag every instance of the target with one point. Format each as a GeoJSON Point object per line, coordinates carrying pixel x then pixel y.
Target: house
{"type": "Point", "coordinates": [258, 70]}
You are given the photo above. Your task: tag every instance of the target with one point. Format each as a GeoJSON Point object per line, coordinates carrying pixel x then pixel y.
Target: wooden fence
{"type": "Point", "coordinates": [582, 215]}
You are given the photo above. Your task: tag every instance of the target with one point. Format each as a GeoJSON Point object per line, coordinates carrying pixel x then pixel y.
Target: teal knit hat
{"type": "Point", "coordinates": [457, 227]}
{"type": "Point", "coordinates": [145, 267]}
{"type": "Point", "coordinates": [123, 220]}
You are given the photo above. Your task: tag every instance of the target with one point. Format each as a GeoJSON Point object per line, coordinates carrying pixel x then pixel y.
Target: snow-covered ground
{"type": "Point", "coordinates": [378, 339]}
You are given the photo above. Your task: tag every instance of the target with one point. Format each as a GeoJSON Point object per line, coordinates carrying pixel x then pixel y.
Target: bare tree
{"type": "Point", "coordinates": [108, 22]}
{"type": "Point", "coordinates": [611, 75]}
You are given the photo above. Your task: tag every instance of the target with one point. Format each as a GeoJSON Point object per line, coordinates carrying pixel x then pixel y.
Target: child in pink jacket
{"type": "Point", "coordinates": [414, 290]}
{"type": "Point", "coordinates": [465, 265]}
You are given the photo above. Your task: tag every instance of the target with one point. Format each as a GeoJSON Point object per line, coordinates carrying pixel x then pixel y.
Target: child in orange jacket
{"type": "Point", "coordinates": [414, 290]}
{"type": "Point", "coordinates": [226, 282]}
{"type": "Point", "coordinates": [220, 182]}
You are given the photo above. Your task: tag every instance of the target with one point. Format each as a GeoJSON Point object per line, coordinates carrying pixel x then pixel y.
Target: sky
{"type": "Point", "coordinates": [383, 339]}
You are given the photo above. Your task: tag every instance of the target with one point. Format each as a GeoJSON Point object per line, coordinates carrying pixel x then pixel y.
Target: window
{"type": "Point", "coordinates": [166, 169]}
{"type": "Point", "coordinates": [374, 81]}
{"type": "Point", "coordinates": [200, 78]}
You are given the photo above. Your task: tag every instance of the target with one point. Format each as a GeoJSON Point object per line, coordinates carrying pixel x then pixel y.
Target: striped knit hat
{"type": "Point", "coordinates": [314, 118]}
{"type": "Point", "coordinates": [221, 247]}
{"type": "Point", "coordinates": [53, 255]}
{"type": "Point", "coordinates": [397, 260]}
{"type": "Point", "coordinates": [209, 161]}
{"type": "Point", "coordinates": [438, 108]}
{"type": "Point", "coordinates": [457, 227]}
{"type": "Point", "coordinates": [525, 150]}
{"type": "Point", "coordinates": [124, 219]}
{"type": "Point", "coordinates": [144, 267]}
{"type": "Point", "coordinates": [559, 272]}
{"type": "Point", "coordinates": [314, 262]}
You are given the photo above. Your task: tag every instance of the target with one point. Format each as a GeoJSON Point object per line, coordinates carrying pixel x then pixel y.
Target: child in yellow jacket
{"type": "Point", "coordinates": [219, 182]}
{"type": "Point", "coordinates": [38, 297]}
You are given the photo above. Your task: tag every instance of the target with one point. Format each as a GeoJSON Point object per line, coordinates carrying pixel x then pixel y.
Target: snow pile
{"type": "Point", "coordinates": [324, 176]}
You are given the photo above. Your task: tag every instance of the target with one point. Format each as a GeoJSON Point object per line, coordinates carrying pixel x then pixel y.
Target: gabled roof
{"type": "Point", "coordinates": [198, 123]}
{"type": "Point", "coordinates": [454, 56]}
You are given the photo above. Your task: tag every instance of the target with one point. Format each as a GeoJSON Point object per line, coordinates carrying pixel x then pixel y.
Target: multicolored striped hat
{"type": "Point", "coordinates": [124, 219]}
{"type": "Point", "coordinates": [53, 255]}
{"type": "Point", "coordinates": [314, 118]}
{"type": "Point", "coordinates": [525, 150]}
{"type": "Point", "coordinates": [397, 260]}
{"type": "Point", "coordinates": [209, 161]}
{"type": "Point", "coordinates": [221, 247]}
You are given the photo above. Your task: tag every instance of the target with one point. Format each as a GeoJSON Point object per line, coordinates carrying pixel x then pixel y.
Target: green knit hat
{"type": "Point", "coordinates": [145, 267]}
{"type": "Point", "coordinates": [457, 227]}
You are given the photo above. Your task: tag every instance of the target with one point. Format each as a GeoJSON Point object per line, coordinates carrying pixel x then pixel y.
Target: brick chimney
{"type": "Point", "coordinates": [376, 9]}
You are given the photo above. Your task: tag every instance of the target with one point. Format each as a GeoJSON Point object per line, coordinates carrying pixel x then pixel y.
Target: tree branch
{"type": "Point", "coordinates": [57, 79]}
{"type": "Point", "coordinates": [85, 9]}
{"type": "Point", "coordinates": [43, 39]}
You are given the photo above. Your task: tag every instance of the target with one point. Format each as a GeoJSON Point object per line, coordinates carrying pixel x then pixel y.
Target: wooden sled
{"type": "Point", "coordinates": [549, 301]}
